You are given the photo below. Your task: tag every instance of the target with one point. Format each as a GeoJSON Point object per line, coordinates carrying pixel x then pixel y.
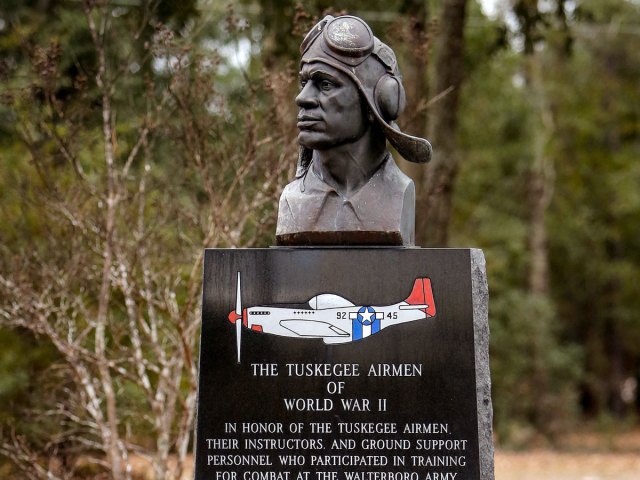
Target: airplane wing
{"type": "Point", "coordinates": [313, 328]}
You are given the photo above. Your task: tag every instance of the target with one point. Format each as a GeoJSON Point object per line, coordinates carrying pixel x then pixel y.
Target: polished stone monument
{"type": "Point", "coordinates": [345, 353]}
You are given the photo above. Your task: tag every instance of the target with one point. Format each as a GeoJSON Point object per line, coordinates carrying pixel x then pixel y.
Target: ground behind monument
{"type": "Point", "coordinates": [579, 456]}
{"type": "Point", "coordinates": [554, 465]}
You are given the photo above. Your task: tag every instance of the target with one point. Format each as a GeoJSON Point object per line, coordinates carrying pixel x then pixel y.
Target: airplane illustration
{"type": "Point", "coordinates": [331, 317]}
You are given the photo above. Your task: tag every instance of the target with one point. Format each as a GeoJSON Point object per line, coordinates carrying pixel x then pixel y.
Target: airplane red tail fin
{"type": "Point", "coordinates": [422, 295]}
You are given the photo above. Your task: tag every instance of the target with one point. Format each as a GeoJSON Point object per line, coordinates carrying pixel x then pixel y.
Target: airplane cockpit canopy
{"type": "Point", "coordinates": [329, 300]}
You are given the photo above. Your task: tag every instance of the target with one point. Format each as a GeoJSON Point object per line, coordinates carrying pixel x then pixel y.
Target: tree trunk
{"type": "Point", "coordinates": [538, 248]}
{"type": "Point", "coordinates": [417, 81]}
{"type": "Point", "coordinates": [433, 209]}
{"type": "Point", "coordinates": [540, 185]}
{"type": "Point", "coordinates": [541, 178]}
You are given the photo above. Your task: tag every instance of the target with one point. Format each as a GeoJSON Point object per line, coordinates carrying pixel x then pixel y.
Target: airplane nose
{"type": "Point", "coordinates": [234, 317]}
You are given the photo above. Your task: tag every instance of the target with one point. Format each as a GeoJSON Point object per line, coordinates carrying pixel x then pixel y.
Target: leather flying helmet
{"type": "Point", "coordinates": [348, 44]}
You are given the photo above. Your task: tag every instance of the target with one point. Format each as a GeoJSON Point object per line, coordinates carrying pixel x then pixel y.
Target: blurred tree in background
{"type": "Point", "coordinates": [127, 148]}
{"type": "Point", "coordinates": [135, 133]}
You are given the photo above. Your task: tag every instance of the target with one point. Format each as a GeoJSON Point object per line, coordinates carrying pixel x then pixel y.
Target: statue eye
{"type": "Point", "coordinates": [326, 85]}
{"type": "Point", "coordinates": [302, 84]}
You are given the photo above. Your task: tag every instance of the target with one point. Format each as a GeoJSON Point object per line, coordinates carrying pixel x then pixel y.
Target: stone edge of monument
{"type": "Point", "coordinates": [480, 299]}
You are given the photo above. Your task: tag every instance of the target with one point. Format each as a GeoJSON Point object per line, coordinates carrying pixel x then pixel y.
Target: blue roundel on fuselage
{"type": "Point", "coordinates": [366, 315]}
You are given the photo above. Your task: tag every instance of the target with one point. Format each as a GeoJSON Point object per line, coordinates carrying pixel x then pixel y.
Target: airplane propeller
{"type": "Point", "coordinates": [238, 317]}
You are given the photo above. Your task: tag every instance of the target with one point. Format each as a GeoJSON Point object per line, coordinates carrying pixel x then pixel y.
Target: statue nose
{"type": "Point", "coordinates": [308, 96]}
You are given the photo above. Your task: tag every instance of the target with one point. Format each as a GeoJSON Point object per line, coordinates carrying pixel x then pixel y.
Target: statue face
{"type": "Point", "coordinates": [331, 110]}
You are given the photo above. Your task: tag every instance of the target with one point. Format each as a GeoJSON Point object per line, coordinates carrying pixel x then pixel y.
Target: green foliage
{"type": "Point", "coordinates": [534, 375]}
{"type": "Point", "coordinates": [22, 358]}
{"type": "Point", "coordinates": [584, 333]}
{"type": "Point", "coordinates": [595, 248]}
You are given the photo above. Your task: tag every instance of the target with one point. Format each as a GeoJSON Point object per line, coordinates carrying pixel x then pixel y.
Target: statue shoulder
{"type": "Point", "coordinates": [393, 174]}
{"type": "Point", "coordinates": [292, 188]}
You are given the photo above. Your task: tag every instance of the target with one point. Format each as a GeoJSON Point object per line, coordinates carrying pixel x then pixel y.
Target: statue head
{"type": "Point", "coordinates": [348, 47]}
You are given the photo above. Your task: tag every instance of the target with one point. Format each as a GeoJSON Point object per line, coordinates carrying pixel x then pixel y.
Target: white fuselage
{"type": "Point", "coordinates": [334, 325]}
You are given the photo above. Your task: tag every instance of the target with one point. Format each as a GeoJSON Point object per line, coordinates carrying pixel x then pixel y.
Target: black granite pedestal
{"type": "Point", "coordinates": [350, 364]}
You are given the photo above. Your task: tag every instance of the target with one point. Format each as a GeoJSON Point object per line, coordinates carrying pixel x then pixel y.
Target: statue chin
{"type": "Point", "coordinates": [311, 141]}
{"type": "Point", "coordinates": [321, 141]}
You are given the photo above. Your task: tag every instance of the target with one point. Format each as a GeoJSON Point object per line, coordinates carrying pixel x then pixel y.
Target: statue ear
{"type": "Point", "coordinates": [389, 97]}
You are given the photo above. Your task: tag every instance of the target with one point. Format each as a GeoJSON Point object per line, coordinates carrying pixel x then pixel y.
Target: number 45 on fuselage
{"type": "Point", "coordinates": [331, 317]}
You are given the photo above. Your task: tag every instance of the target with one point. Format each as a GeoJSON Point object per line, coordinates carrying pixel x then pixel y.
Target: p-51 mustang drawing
{"type": "Point", "coordinates": [331, 317]}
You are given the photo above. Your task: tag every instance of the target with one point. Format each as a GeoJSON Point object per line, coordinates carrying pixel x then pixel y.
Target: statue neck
{"type": "Point", "coordinates": [348, 167]}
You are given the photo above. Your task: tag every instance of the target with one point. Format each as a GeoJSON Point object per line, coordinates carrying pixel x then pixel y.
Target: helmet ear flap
{"type": "Point", "coordinates": [389, 97]}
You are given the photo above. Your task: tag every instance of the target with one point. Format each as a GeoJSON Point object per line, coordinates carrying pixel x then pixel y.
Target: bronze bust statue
{"type": "Point", "coordinates": [348, 189]}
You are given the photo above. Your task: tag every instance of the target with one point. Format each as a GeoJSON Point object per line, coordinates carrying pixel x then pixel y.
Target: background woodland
{"type": "Point", "coordinates": [135, 133]}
